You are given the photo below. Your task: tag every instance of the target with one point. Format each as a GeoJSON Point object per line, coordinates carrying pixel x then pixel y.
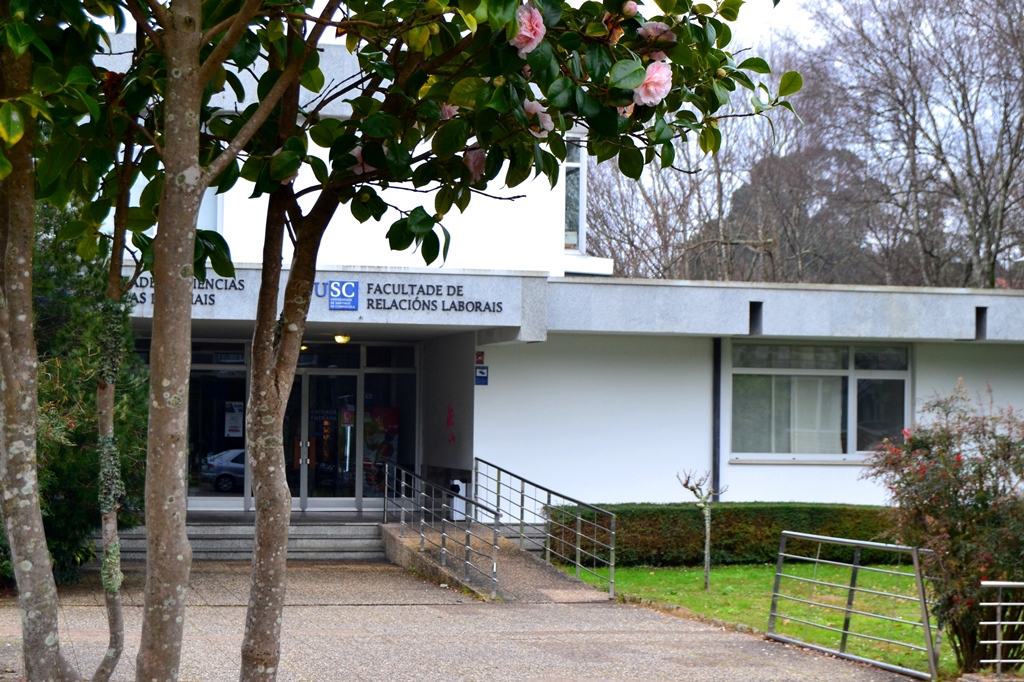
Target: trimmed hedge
{"type": "Point", "coordinates": [741, 532]}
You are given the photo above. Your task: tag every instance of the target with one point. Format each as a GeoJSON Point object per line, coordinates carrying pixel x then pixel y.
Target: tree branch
{"type": "Point", "coordinates": [238, 25]}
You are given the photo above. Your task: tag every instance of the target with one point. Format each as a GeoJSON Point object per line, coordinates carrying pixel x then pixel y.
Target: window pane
{"type": "Point", "coordinates": [817, 415]}
{"type": "Point", "coordinates": [751, 413]}
{"type": "Point", "coordinates": [390, 356]}
{"type": "Point", "coordinates": [880, 409]}
{"type": "Point", "coordinates": [889, 357]}
{"type": "Point", "coordinates": [572, 208]}
{"type": "Point", "coordinates": [789, 414]}
{"type": "Point", "coordinates": [789, 357]}
{"type": "Point", "coordinates": [572, 151]}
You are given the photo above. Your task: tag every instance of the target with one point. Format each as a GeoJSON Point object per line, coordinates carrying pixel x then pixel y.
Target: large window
{"type": "Point", "coordinates": [801, 399]}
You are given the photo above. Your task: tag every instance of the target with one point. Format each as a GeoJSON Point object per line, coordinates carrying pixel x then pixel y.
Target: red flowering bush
{"type": "Point", "coordinates": [955, 485]}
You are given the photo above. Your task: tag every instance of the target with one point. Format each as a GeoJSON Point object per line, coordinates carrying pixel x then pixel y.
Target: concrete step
{"type": "Point", "coordinates": [307, 542]}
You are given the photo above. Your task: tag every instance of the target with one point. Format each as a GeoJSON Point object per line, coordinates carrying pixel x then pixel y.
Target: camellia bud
{"type": "Point", "coordinates": [498, 81]}
{"type": "Point", "coordinates": [721, 73]}
{"type": "Point", "coordinates": [434, 29]}
{"type": "Point", "coordinates": [629, 9]}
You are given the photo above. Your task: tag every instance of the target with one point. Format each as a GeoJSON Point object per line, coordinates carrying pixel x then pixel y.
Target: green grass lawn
{"type": "Point", "coordinates": [743, 594]}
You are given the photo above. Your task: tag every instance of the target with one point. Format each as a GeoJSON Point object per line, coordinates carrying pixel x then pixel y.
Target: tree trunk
{"type": "Point", "coordinates": [111, 485]}
{"type": "Point", "coordinates": [168, 554]}
{"type": "Point", "coordinates": [23, 522]}
{"type": "Point", "coordinates": [275, 353]}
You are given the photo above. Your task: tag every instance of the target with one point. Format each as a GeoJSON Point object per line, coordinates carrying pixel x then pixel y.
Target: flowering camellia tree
{"type": "Point", "coordinates": [955, 483]}
{"type": "Point", "coordinates": [450, 96]}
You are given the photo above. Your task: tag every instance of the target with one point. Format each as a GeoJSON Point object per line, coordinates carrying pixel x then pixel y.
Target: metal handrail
{"type": "Point", "coordinates": [410, 498]}
{"type": "Point", "coordinates": [930, 645]}
{"type": "Point", "coordinates": [999, 624]}
{"type": "Point", "coordinates": [563, 528]}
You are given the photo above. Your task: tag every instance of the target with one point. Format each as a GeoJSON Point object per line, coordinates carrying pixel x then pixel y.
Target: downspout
{"type": "Point", "coordinates": [716, 417]}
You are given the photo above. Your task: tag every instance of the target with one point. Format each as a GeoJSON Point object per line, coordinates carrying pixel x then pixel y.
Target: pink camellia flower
{"type": "Point", "coordinates": [626, 111]}
{"type": "Point", "coordinates": [360, 166]}
{"type": "Point", "coordinates": [656, 31]}
{"type": "Point", "coordinates": [656, 85]}
{"type": "Point", "coordinates": [531, 30]}
{"type": "Point", "coordinates": [448, 111]}
{"type": "Point", "coordinates": [629, 9]}
{"type": "Point", "coordinates": [476, 161]}
{"type": "Point", "coordinates": [544, 122]}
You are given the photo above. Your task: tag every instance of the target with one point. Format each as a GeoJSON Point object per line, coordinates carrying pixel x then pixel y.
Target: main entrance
{"type": "Point", "coordinates": [352, 410]}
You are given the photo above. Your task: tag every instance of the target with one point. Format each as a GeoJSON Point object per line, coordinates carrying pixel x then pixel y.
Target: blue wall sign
{"type": "Point", "coordinates": [343, 295]}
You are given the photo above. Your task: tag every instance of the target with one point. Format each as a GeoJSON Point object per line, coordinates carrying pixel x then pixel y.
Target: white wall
{"type": "Point", "coordinates": [940, 365]}
{"type": "Point", "coordinates": [447, 399]}
{"type": "Point", "coordinates": [798, 483]}
{"type": "Point", "coordinates": [525, 234]}
{"type": "Point", "coordinates": [601, 418]}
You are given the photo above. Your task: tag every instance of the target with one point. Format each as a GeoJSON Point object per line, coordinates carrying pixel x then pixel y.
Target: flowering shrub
{"type": "Point", "coordinates": [955, 485]}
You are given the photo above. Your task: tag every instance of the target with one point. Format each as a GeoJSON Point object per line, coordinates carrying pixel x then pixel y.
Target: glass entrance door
{"type": "Point", "coordinates": [333, 462]}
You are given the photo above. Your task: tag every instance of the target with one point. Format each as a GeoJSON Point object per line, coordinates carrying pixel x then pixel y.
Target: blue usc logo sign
{"type": "Point", "coordinates": [343, 295]}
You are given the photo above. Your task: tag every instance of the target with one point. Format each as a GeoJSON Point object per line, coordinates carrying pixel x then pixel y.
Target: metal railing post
{"type": "Point", "coordinates": [778, 583]}
{"type": "Point", "coordinates": [469, 548]}
{"type": "Point", "coordinates": [522, 512]}
{"type": "Point", "coordinates": [849, 599]}
{"type": "Point", "coordinates": [423, 518]}
{"type": "Point", "coordinates": [579, 539]}
{"type": "Point", "coordinates": [611, 559]}
{"type": "Point", "coordinates": [444, 535]}
{"type": "Point", "coordinates": [547, 531]}
{"type": "Point", "coordinates": [933, 654]}
{"type": "Point", "coordinates": [999, 633]}
{"type": "Point", "coordinates": [494, 559]}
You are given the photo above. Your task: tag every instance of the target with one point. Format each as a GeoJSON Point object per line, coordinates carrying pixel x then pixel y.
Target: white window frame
{"type": "Point", "coordinates": [581, 240]}
{"type": "Point", "coordinates": [852, 456]}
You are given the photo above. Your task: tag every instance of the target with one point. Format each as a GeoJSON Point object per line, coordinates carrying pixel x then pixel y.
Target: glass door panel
{"type": "Point", "coordinates": [389, 427]}
{"type": "Point", "coordinates": [332, 463]}
{"type": "Point", "coordinates": [294, 454]}
{"type": "Point", "coordinates": [216, 425]}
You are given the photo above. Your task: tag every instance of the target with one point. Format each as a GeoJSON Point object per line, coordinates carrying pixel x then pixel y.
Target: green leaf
{"type": "Point", "coordinates": [710, 140]}
{"type": "Point", "coordinates": [140, 220]}
{"type": "Point", "coordinates": [443, 199]}
{"type": "Point", "coordinates": [627, 74]}
{"type": "Point", "coordinates": [500, 13]}
{"type": "Point", "coordinates": [730, 9]}
{"type": "Point", "coordinates": [19, 37]}
{"type": "Point", "coordinates": [312, 80]}
{"type": "Point", "coordinates": [543, 64]}
{"type": "Point", "coordinates": [324, 132]}
{"type": "Point", "coordinates": [284, 165]}
{"type": "Point", "coordinates": [465, 91]}
{"type": "Point", "coordinates": [37, 105]}
{"type": "Point", "coordinates": [80, 75]}
{"type": "Point", "coordinates": [246, 50]}
{"type": "Point", "coordinates": [631, 163]}
{"type": "Point", "coordinates": [45, 80]}
{"type": "Point", "coordinates": [320, 171]}
{"type": "Point", "coordinates": [73, 229]}
{"type": "Point", "coordinates": [598, 60]}
{"type": "Point", "coordinates": [90, 104]}
{"type": "Point", "coordinates": [87, 247]}
{"type": "Point", "coordinates": [217, 250]}
{"type": "Point", "coordinates": [755, 64]}
{"type": "Point", "coordinates": [227, 178]}
{"type": "Point", "coordinates": [380, 125]}
{"type": "Point", "coordinates": [561, 93]}
{"type": "Point", "coordinates": [570, 41]}
{"type": "Point", "coordinates": [450, 138]}
{"type": "Point", "coordinates": [399, 236]}
{"type": "Point", "coordinates": [666, 6]}
{"type": "Point", "coordinates": [5, 166]}
{"type": "Point", "coordinates": [430, 248]}
{"type": "Point", "coordinates": [420, 222]}
{"type": "Point", "coordinates": [791, 82]}
{"type": "Point", "coordinates": [551, 10]}
{"type": "Point", "coordinates": [668, 154]}
{"type": "Point", "coordinates": [12, 126]}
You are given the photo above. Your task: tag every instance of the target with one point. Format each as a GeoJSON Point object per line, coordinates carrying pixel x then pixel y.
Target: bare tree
{"type": "Point", "coordinates": [939, 113]}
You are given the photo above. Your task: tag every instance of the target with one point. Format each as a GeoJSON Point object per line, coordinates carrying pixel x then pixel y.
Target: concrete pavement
{"type": "Point", "coordinates": [362, 621]}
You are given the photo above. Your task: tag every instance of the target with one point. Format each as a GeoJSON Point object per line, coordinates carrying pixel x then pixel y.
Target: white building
{"type": "Point", "coordinates": [518, 351]}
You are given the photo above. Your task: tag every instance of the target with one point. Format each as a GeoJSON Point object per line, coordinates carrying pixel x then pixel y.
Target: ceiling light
{"type": "Point", "coordinates": [342, 338]}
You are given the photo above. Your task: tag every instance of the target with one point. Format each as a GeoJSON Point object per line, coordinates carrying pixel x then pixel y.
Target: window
{"type": "Point", "coordinates": [575, 169]}
{"type": "Point", "coordinates": [801, 399]}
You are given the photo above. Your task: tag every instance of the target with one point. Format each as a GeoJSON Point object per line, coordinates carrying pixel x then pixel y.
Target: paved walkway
{"type": "Point", "coordinates": [378, 622]}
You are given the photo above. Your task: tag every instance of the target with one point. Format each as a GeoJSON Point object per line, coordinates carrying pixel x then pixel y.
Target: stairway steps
{"type": "Point", "coordinates": [227, 542]}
